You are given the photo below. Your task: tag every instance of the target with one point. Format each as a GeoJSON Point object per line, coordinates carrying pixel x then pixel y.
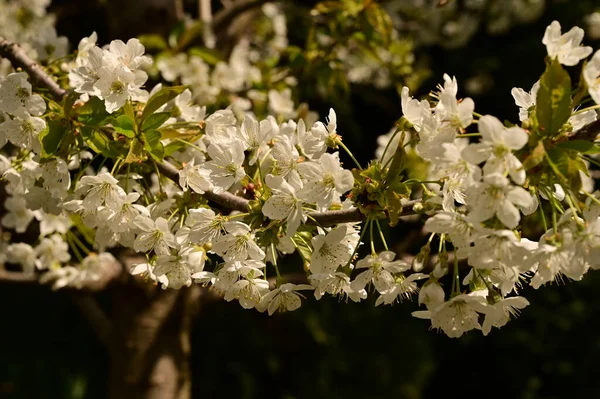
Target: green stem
{"type": "Point", "coordinates": [115, 166]}
{"type": "Point", "coordinates": [274, 255]}
{"type": "Point", "coordinates": [542, 211]}
{"type": "Point", "coordinates": [554, 221]}
{"type": "Point", "coordinates": [73, 247]}
{"type": "Point", "coordinates": [362, 234]}
{"type": "Point", "coordinates": [591, 196]}
{"type": "Point", "coordinates": [238, 215]}
{"type": "Point", "coordinates": [349, 153]}
{"type": "Point", "coordinates": [459, 136]}
{"type": "Point", "coordinates": [190, 144]}
{"type": "Point", "coordinates": [371, 234]}
{"type": "Point", "coordinates": [127, 177]}
{"type": "Point", "coordinates": [381, 235]}
{"type": "Point", "coordinates": [160, 187]}
{"type": "Point", "coordinates": [387, 146]}
{"type": "Point", "coordinates": [581, 111]}
{"type": "Point", "coordinates": [455, 277]}
{"type": "Point", "coordinates": [590, 160]}
{"type": "Point", "coordinates": [77, 241]}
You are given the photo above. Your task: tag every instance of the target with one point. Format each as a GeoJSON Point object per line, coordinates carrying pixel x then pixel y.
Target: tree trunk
{"type": "Point", "coordinates": [150, 348]}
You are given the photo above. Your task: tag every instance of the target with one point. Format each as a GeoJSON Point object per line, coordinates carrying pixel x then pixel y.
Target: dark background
{"type": "Point", "coordinates": [329, 349]}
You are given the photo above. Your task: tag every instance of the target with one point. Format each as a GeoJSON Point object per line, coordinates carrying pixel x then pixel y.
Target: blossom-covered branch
{"type": "Point", "coordinates": [512, 202]}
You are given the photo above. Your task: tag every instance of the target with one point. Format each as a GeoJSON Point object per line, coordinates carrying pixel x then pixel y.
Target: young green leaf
{"type": "Point", "coordinates": [553, 102]}
{"type": "Point", "coordinates": [52, 136]}
{"type": "Point", "coordinates": [93, 112]}
{"type": "Point", "coordinates": [155, 121]}
{"type": "Point", "coordinates": [160, 98]}
{"type": "Point", "coordinates": [125, 125]}
{"type": "Point", "coordinates": [101, 144]}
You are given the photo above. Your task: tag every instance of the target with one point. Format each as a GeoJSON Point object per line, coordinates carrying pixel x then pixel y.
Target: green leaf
{"type": "Point", "coordinates": [136, 152]}
{"type": "Point", "coordinates": [155, 121]}
{"type": "Point", "coordinates": [553, 102]}
{"type": "Point", "coordinates": [393, 206]}
{"type": "Point", "coordinates": [581, 146]}
{"type": "Point", "coordinates": [536, 157]}
{"type": "Point", "coordinates": [124, 125]}
{"type": "Point", "coordinates": [153, 145]}
{"type": "Point", "coordinates": [174, 134]}
{"type": "Point", "coordinates": [52, 136]}
{"type": "Point", "coordinates": [128, 110]}
{"type": "Point", "coordinates": [568, 165]}
{"type": "Point", "coordinates": [302, 240]}
{"type": "Point", "coordinates": [101, 144]}
{"type": "Point", "coordinates": [93, 112]}
{"type": "Point", "coordinates": [160, 98]}
{"type": "Point", "coordinates": [398, 161]}
{"type": "Point", "coordinates": [173, 147]}
{"type": "Point", "coordinates": [209, 56]}
{"type": "Point", "coordinates": [153, 42]}
{"type": "Point", "coordinates": [380, 21]}
{"type": "Point", "coordinates": [188, 35]}
{"type": "Point", "coordinates": [68, 102]}
{"type": "Point", "coordinates": [326, 7]}
{"type": "Point", "coordinates": [152, 138]}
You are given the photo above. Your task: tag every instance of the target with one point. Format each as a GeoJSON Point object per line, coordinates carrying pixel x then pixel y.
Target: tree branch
{"type": "Point", "coordinates": [97, 319]}
{"type": "Point", "coordinates": [18, 59]}
{"type": "Point", "coordinates": [17, 278]}
{"type": "Point", "coordinates": [226, 16]}
{"type": "Point", "coordinates": [589, 132]}
{"type": "Point", "coordinates": [112, 272]}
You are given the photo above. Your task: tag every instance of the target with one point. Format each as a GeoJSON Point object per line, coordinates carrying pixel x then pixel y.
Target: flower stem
{"type": "Point", "coordinates": [387, 146]}
{"type": "Point", "coordinates": [581, 111]}
{"type": "Point", "coordinates": [274, 256]}
{"type": "Point", "coordinates": [349, 153]}
{"type": "Point", "coordinates": [455, 277]}
{"type": "Point", "coordinates": [190, 144]}
{"type": "Point", "coordinates": [362, 234]}
{"type": "Point", "coordinates": [371, 234]}
{"type": "Point", "coordinates": [542, 211]}
{"type": "Point", "coordinates": [381, 235]}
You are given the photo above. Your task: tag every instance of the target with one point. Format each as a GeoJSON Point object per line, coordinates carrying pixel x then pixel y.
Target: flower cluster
{"type": "Point", "coordinates": [113, 75]}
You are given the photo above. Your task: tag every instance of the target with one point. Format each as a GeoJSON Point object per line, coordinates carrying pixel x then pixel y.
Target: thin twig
{"type": "Point", "coordinates": [18, 59]}
{"type": "Point", "coordinates": [17, 278]}
{"type": "Point", "coordinates": [227, 15]}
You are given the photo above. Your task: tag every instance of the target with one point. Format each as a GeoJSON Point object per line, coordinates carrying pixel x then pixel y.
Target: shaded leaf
{"type": "Point", "coordinates": [581, 146]}
{"type": "Point", "coordinates": [101, 144]}
{"type": "Point", "coordinates": [52, 136]}
{"type": "Point", "coordinates": [536, 157]}
{"type": "Point", "coordinates": [553, 102]}
{"type": "Point", "coordinates": [93, 112]}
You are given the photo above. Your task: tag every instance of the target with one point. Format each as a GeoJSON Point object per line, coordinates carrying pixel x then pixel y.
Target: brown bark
{"type": "Point", "coordinates": [151, 341]}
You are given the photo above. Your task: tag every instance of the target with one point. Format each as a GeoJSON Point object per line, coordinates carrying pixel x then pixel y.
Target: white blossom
{"type": "Point", "coordinates": [566, 47]}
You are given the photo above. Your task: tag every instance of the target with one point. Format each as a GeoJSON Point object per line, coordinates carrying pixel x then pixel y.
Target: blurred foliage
{"type": "Point", "coordinates": [327, 349]}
